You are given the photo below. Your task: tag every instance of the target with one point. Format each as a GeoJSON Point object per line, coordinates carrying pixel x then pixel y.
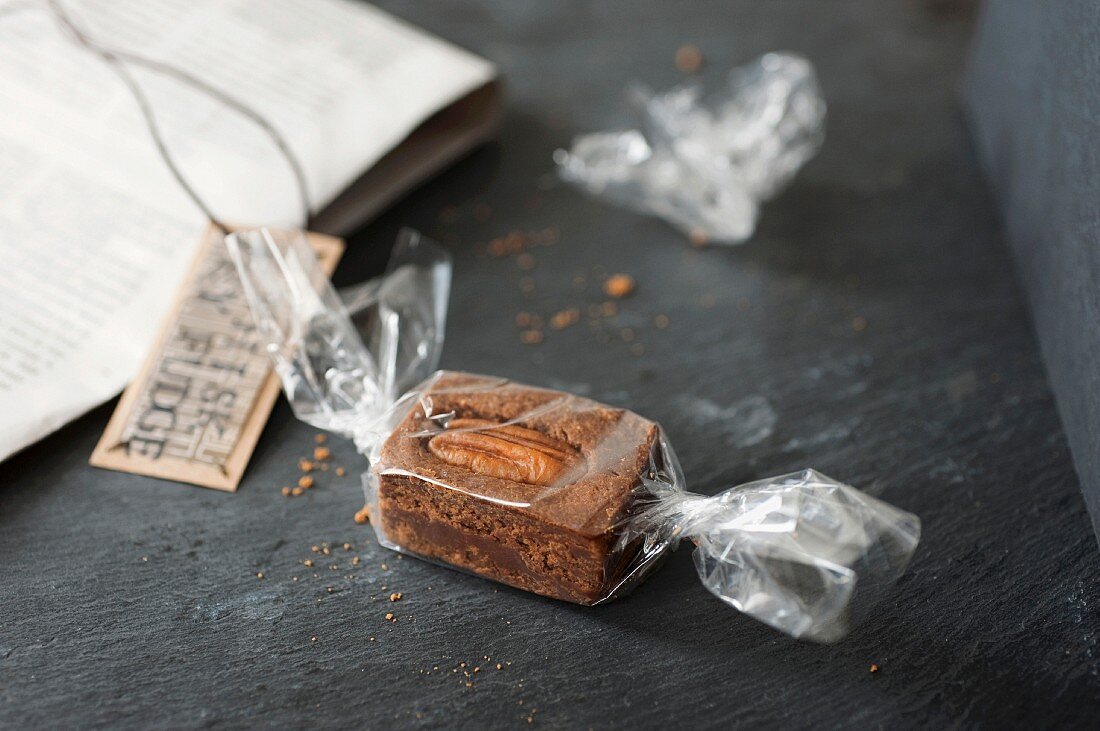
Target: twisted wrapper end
{"type": "Point", "coordinates": [802, 552]}
{"type": "Point", "coordinates": [345, 358]}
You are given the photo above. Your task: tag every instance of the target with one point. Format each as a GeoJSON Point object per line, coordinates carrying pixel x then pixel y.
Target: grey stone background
{"type": "Point", "coordinates": [875, 316]}
{"type": "Point", "coordinates": [1033, 98]}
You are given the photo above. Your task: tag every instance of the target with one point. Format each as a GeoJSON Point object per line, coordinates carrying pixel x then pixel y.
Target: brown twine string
{"type": "Point", "coordinates": [117, 61]}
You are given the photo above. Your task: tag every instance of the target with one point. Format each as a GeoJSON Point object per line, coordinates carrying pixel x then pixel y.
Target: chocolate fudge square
{"type": "Point", "coordinates": [518, 484]}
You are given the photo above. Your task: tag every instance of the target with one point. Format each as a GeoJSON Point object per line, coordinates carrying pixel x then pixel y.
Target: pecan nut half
{"type": "Point", "coordinates": [509, 452]}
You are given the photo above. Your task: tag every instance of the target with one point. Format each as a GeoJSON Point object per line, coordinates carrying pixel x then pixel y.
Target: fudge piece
{"type": "Point", "coordinates": [518, 484]}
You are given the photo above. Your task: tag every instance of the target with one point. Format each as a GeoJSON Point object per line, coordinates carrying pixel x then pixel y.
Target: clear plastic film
{"type": "Point", "coordinates": [546, 491]}
{"type": "Point", "coordinates": [705, 163]}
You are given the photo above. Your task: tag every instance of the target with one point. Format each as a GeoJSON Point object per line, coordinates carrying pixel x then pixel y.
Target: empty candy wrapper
{"type": "Point", "coordinates": [539, 489]}
{"type": "Point", "coordinates": [706, 163]}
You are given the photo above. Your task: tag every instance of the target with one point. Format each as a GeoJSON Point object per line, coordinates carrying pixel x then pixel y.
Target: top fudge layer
{"type": "Point", "coordinates": [562, 460]}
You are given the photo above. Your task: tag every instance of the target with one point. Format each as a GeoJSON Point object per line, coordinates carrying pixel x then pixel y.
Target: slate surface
{"type": "Point", "coordinates": [1033, 99]}
{"type": "Point", "coordinates": [134, 603]}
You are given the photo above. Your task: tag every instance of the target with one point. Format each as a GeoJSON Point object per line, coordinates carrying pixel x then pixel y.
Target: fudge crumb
{"type": "Point", "coordinates": [618, 285]}
{"type": "Point", "coordinates": [565, 318]}
{"type": "Point", "coordinates": [305, 482]}
{"type": "Point", "coordinates": [321, 453]}
{"type": "Point", "coordinates": [305, 465]}
{"type": "Point", "coordinates": [698, 238]}
{"type": "Point", "coordinates": [874, 668]}
{"type": "Point", "coordinates": [285, 491]}
{"type": "Point", "coordinates": [689, 58]}
{"type": "Point", "coordinates": [320, 438]}
{"type": "Point", "coordinates": [396, 596]}
{"type": "Point", "coordinates": [531, 337]}
{"type": "Point", "coordinates": [448, 213]}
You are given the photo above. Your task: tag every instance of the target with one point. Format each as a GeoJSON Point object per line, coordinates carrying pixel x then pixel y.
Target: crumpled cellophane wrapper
{"type": "Point", "coordinates": [542, 490]}
{"type": "Point", "coordinates": [706, 163]}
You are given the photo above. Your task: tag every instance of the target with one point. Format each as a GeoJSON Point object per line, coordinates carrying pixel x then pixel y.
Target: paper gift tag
{"type": "Point", "coordinates": [196, 408]}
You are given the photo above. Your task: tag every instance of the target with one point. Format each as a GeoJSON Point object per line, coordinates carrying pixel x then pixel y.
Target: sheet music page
{"type": "Point", "coordinates": [95, 234]}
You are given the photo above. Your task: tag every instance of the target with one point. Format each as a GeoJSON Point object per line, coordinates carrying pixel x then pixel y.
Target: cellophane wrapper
{"type": "Point", "coordinates": [547, 491]}
{"type": "Point", "coordinates": [705, 162]}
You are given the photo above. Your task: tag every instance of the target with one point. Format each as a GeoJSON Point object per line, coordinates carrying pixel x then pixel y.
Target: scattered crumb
{"type": "Point", "coordinates": [874, 668]}
{"type": "Point", "coordinates": [297, 491]}
{"type": "Point", "coordinates": [660, 322]}
{"type": "Point", "coordinates": [347, 546]}
{"type": "Point", "coordinates": [285, 491]}
{"type": "Point", "coordinates": [637, 349]}
{"type": "Point", "coordinates": [531, 337]}
{"type": "Point", "coordinates": [308, 562]}
{"type": "Point", "coordinates": [627, 334]}
{"type": "Point", "coordinates": [448, 213]}
{"type": "Point", "coordinates": [526, 262]}
{"type": "Point", "coordinates": [259, 574]}
{"type": "Point", "coordinates": [305, 482]}
{"type": "Point", "coordinates": [689, 58]}
{"type": "Point", "coordinates": [565, 318]}
{"type": "Point", "coordinates": [528, 320]}
{"type": "Point", "coordinates": [321, 453]}
{"type": "Point", "coordinates": [396, 596]}
{"type": "Point", "coordinates": [483, 211]}
{"type": "Point", "coordinates": [305, 465]}
{"type": "Point", "coordinates": [391, 617]}
{"type": "Point", "coordinates": [320, 438]}
{"type": "Point", "coordinates": [859, 324]}
{"type": "Point", "coordinates": [385, 567]}
{"type": "Point", "coordinates": [340, 472]}
{"type": "Point", "coordinates": [312, 639]}
{"type": "Point", "coordinates": [618, 285]}
{"type": "Point", "coordinates": [355, 560]}
{"type": "Point", "coordinates": [698, 238]}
